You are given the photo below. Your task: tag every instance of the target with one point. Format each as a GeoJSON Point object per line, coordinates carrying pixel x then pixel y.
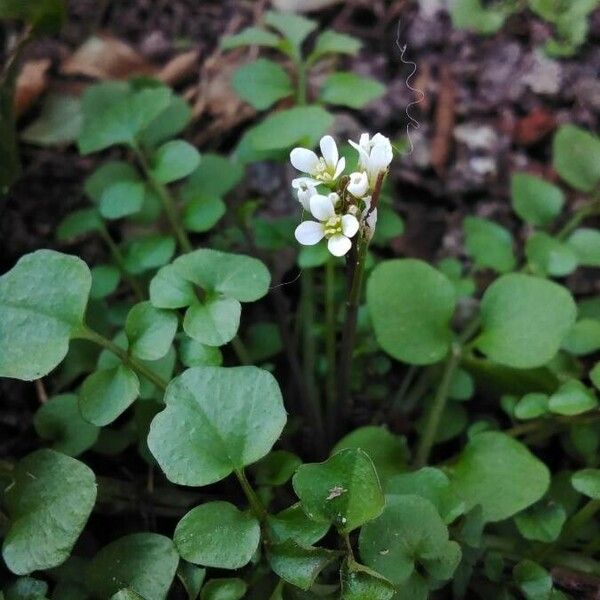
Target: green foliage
{"type": "Point", "coordinates": [48, 505]}
{"type": "Point", "coordinates": [489, 244]}
{"type": "Point", "coordinates": [576, 154]}
{"type": "Point", "coordinates": [216, 421]}
{"type": "Point", "coordinates": [262, 83]}
{"type": "Point", "coordinates": [536, 201]}
{"type": "Point", "coordinates": [349, 89]}
{"type": "Point", "coordinates": [411, 305]}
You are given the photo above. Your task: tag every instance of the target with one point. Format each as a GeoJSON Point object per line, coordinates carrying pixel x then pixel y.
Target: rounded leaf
{"type": "Point", "coordinates": [48, 504]}
{"type": "Point", "coordinates": [576, 156]}
{"type": "Point", "coordinates": [150, 331]}
{"type": "Point", "coordinates": [489, 244]}
{"type": "Point", "coordinates": [42, 303]}
{"type": "Point", "coordinates": [525, 320]}
{"type": "Point", "coordinates": [217, 534]}
{"type": "Point", "coordinates": [411, 305]}
{"type": "Point", "coordinates": [587, 482]}
{"type": "Point", "coordinates": [500, 474]}
{"type": "Point", "coordinates": [174, 160]}
{"type": "Point", "coordinates": [343, 490]}
{"type": "Point", "coordinates": [213, 322]}
{"type": "Point", "coordinates": [572, 398]}
{"type": "Point", "coordinates": [216, 420]}
{"type": "Point", "coordinates": [536, 201]}
{"type": "Point", "coordinates": [224, 589]}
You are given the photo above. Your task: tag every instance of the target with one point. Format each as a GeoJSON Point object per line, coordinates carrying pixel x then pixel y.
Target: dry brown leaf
{"type": "Point", "coordinates": [445, 117]}
{"type": "Point", "coordinates": [106, 57]}
{"type": "Point", "coordinates": [179, 68]}
{"type": "Point", "coordinates": [31, 83]}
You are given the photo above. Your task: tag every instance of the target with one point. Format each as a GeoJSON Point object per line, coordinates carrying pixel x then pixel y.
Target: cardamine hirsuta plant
{"type": "Point", "coordinates": [243, 406]}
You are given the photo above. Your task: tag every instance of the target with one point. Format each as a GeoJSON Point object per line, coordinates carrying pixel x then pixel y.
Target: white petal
{"type": "Point", "coordinates": [309, 233]}
{"type": "Point", "coordinates": [304, 160]}
{"type": "Point", "coordinates": [321, 207]}
{"type": "Point", "coordinates": [304, 196]}
{"type": "Point", "coordinates": [349, 225]}
{"type": "Point", "coordinates": [303, 182]}
{"type": "Point", "coordinates": [365, 141]}
{"type": "Point", "coordinates": [381, 157]}
{"type": "Point", "coordinates": [339, 244]}
{"type": "Point", "coordinates": [340, 167]}
{"type": "Point", "coordinates": [329, 151]}
{"type": "Point", "coordinates": [363, 156]}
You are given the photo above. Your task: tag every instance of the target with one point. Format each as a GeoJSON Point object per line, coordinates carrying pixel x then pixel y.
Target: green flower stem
{"type": "Point", "coordinates": [128, 360]}
{"type": "Point", "coordinates": [437, 409]}
{"type": "Point", "coordinates": [241, 351]}
{"type": "Point", "coordinates": [344, 403]}
{"type": "Point", "coordinates": [257, 507]}
{"type": "Point", "coordinates": [117, 256]}
{"type": "Point", "coordinates": [330, 340]}
{"type": "Point", "coordinates": [168, 203]}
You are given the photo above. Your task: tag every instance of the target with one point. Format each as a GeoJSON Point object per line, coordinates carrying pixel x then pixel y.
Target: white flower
{"type": "Point", "coordinates": [305, 190]}
{"type": "Point", "coordinates": [337, 229]}
{"type": "Point", "coordinates": [375, 154]}
{"type": "Point", "coordinates": [358, 184]}
{"type": "Point", "coordinates": [323, 170]}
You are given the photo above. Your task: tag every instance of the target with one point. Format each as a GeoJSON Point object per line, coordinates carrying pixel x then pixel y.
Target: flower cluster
{"type": "Point", "coordinates": [341, 204]}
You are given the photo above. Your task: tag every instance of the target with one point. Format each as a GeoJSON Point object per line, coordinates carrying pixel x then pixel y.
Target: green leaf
{"type": "Point", "coordinates": [586, 244]}
{"type": "Point", "coordinates": [202, 183]}
{"type": "Point", "coordinates": [572, 398]}
{"type": "Point", "coordinates": [25, 588]}
{"type": "Point", "coordinates": [126, 594]}
{"type": "Point", "coordinates": [276, 468]}
{"type": "Point", "coordinates": [489, 244]}
{"type": "Point", "coordinates": [251, 36]}
{"type": "Point", "coordinates": [217, 534]}
{"type": "Point", "coordinates": [500, 474]}
{"type": "Point", "coordinates": [542, 522]}
{"type": "Point", "coordinates": [263, 341]}
{"type": "Point", "coordinates": [216, 421]}
{"type": "Point", "coordinates": [349, 89]}
{"type": "Point", "coordinates": [149, 252]}
{"type": "Point", "coordinates": [462, 386]}
{"type": "Point", "coordinates": [595, 375]}
{"type": "Point", "coordinates": [150, 331]}
{"type": "Point", "coordinates": [433, 485]}
{"type": "Point", "coordinates": [105, 280]}
{"type": "Point", "coordinates": [106, 394]}
{"type": "Point", "coordinates": [587, 482]}
{"type": "Point", "coordinates": [409, 531]}
{"type": "Point", "coordinates": [533, 580]}
{"type": "Point", "coordinates": [576, 155]}
{"type": "Point", "coordinates": [525, 320]}
{"type": "Point", "coordinates": [474, 16]}
{"type": "Point", "coordinates": [106, 175]}
{"type": "Point", "coordinates": [282, 130]}
{"type": "Point", "coordinates": [195, 354]}
{"type": "Point", "coordinates": [78, 223]}
{"type": "Point", "coordinates": [548, 255]}
{"type": "Point", "coordinates": [114, 114]}
{"type": "Point", "coordinates": [293, 27]}
{"type": "Point", "coordinates": [213, 322]}
{"type": "Point", "coordinates": [42, 303]}
{"type": "Point", "coordinates": [388, 452]}
{"type": "Point", "coordinates": [310, 257]}
{"type": "Point", "coordinates": [58, 420]}
{"type": "Point", "coordinates": [224, 589]}
{"type": "Point", "coordinates": [174, 160]}
{"type": "Point", "coordinates": [169, 123]}
{"type": "Point", "coordinates": [122, 198]}
{"type": "Point", "coordinates": [293, 524]}
{"type": "Point", "coordinates": [343, 490]}
{"type": "Point", "coordinates": [535, 200]}
{"type": "Point", "coordinates": [191, 578]}
{"type": "Point", "coordinates": [262, 83]}
{"type": "Point", "coordinates": [361, 583]}
{"type": "Point", "coordinates": [59, 122]}
{"type": "Point", "coordinates": [44, 16]}
{"type": "Point", "coordinates": [411, 305]}
{"type": "Point", "coordinates": [298, 565]}
{"type": "Point", "coordinates": [531, 406]}
{"type": "Point", "coordinates": [48, 504]}
{"type": "Point", "coordinates": [203, 214]}
{"type": "Point", "coordinates": [144, 562]}
{"type": "Point", "coordinates": [332, 42]}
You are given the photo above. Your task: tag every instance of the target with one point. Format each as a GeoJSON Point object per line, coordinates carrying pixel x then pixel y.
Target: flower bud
{"type": "Point", "coordinates": [358, 184]}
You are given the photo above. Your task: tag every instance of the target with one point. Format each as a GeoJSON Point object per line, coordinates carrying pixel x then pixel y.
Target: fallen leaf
{"type": "Point", "coordinates": [445, 117]}
{"type": "Point", "coordinates": [179, 68]}
{"type": "Point", "coordinates": [59, 122]}
{"type": "Point", "coordinates": [106, 57]}
{"type": "Point", "coordinates": [533, 127]}
{"type": "Point", "coordinates": [31, 83]}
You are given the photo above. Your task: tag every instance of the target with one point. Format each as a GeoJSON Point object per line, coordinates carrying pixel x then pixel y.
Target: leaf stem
{"type": "Point", "coordinates": [168, 202]}
{"type": "Point", "coordinates": [579, 215]}
{"type": "Point", "coordinates": [128, 360]}
{"type": "Point", "coordinates": [302, 82]}
{"type": "Point", "coordinates": [330, 340]}
{"type": "Point", "coordinates": [117, 256]}
{"type": "Point", "coordinates": [256, 505]}
{"type": "Point", "coordinates": [241, 351]}
{"type": "Point", "coordinates": [437, 409]}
